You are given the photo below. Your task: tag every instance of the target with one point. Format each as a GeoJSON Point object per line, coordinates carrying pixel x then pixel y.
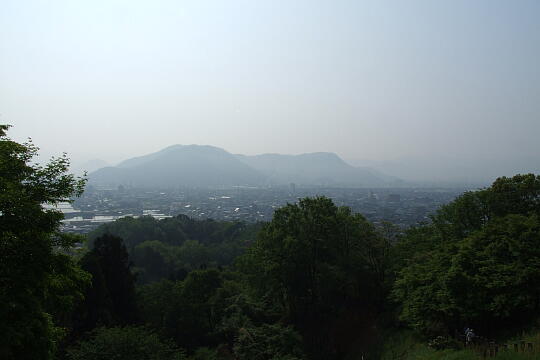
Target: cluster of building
{"type": "Point", "coordinates": [402, 207]}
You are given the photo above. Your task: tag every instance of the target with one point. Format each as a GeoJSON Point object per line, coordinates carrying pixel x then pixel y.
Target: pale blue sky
{"type": "Point", "coordinates": [375, 80]}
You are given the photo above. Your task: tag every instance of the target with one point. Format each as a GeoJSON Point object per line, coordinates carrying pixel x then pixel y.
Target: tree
{"type": "Point", "coordinates": [111, 298]}
{"type": "Point", "coordinates": [494, 278]}
{"type": "Point", "coordinates": [317, 262]}
{"type": "Point", "coordinates": [191, 318]}
{"type": "Point", "coordinates": [471, 211]}
{"type": "Point", "coordinates": [183, 310]}
{"type": "Point", "coordinates": [33, 272]}
{"type": "Point", "coordinates": [168, 248]}
{"type": "Point", "coordinates": [151, 261]}
{"type": "Point", "coordinates": [487, 280]}
{"type": "Point", "coordinates": [478, 264]}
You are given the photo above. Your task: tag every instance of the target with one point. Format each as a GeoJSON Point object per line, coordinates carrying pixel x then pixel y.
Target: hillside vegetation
{"type": "Point", "coordinates": [317, 282]}
{"type": "Point", "coordinates": [340, 287]}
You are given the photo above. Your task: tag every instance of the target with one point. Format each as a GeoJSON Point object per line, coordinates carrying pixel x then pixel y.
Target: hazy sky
{"type": "Point", "coordinates": [376, 80]}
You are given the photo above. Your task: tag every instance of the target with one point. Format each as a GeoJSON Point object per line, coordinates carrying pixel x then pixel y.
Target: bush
{"type": "Point", "coordinates": [125, 343]}
{"type": "Point", "coordinates": [442, 343]}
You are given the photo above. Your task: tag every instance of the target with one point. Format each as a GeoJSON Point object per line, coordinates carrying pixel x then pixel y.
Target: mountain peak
{"type": "Point", "coordinates": [205, 165]}
{"type": "Point", "coordinates": [180, 165]}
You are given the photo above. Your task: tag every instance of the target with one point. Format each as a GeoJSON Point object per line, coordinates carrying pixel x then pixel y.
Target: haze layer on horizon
{"type": "Point", "coordinates": [377, 82]}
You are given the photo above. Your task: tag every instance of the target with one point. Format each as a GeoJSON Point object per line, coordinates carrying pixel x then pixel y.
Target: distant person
{"type": "Point", "coordinates": [469, 335]}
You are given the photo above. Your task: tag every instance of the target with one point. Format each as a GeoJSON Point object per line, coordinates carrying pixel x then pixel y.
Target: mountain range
{"type": "Point", "coordinates": [209, 166]}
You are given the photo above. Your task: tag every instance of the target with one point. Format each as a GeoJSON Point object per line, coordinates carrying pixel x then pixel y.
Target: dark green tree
{"type": "Point", "coordinates": [184, 310]}
{"type": "Point", "coordinates": [319, 264]}
{"type": "Point", "coordinates": [34, 274]}
{"type": "Point", "coordinates": [111, 298]}
{"type": "Point", "coordinates": [152, 258]}
{"type": "Point", "coordinates": [168, 248]}
{"type": "Point", "coordinates": [191, 319]}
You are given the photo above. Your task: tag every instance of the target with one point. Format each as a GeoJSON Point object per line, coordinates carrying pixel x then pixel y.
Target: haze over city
{"type": "Point", "coordinates": [422, 90]}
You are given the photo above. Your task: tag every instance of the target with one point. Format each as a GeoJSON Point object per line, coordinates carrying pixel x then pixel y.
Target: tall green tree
{"type": "Point", "coordinates": [319, 264]}
{"type": "Point", "coordinates": [33, 272]}
{"type": "Point", "coordinates": [111, 298]}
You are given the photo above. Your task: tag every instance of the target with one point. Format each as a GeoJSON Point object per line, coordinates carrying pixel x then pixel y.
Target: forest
{"type": "Point", "coordinates": [317, 282]}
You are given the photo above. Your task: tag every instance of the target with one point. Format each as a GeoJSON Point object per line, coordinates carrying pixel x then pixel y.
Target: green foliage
{"type": "Point", "coordinates": [478, 264]}
{"type": "Point", "coordinates": [125, 343]}
{"type": "Point", "coordinates": [208, 309]}
{"type": "Point", "coordinates": [315, 262]}
{"type": "Point", "coordinates": [268, 342]}
{"type": "Point", "coordinates": [173, 231]}
{"type": "Point", "coordinates": [237, 309]}
{"type": "Point", "coordinates": [156, 259]}
{"type": "Point", "coordinates": [407, 347]}
{"type": "Point", "coordinates": [204, 354]}
{"type": "Point", "coordinates": [154, 302]}
{"type": "Point", "coordinates": [443, 342]}
{"type": "Point", "coordinates": [111, 298]}
{"type": "Point", "coordinates": [184, 310]}
{"type": "Point", "coordinates": [473, 210]}
{"type": "Point", "coordinates": [169, 248]}
{"type": "Point", "coordinates": [500, 267]}
{"type": "Point", "coordinates": [34, 276]}
{"type": "Point", "coordinates": [66, 287]}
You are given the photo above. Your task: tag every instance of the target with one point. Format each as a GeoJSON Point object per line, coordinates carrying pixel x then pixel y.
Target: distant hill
{"type": "Point", "coordinates": [208, 166]}
{"type": "Point", "coordinates": [321, 168]}
{"type": "Point", "coordinates": [180, 165]}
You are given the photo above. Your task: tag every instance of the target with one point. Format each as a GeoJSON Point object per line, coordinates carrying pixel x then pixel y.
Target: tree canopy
{"type": "Point", "coordinates": [478, 264]}
{"type": "Point", "coordinates": [110, 299]}
{"type": "Point", "coordinates": [319, 263]}
{"type": "Point", "coordinates": [34, 273]}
